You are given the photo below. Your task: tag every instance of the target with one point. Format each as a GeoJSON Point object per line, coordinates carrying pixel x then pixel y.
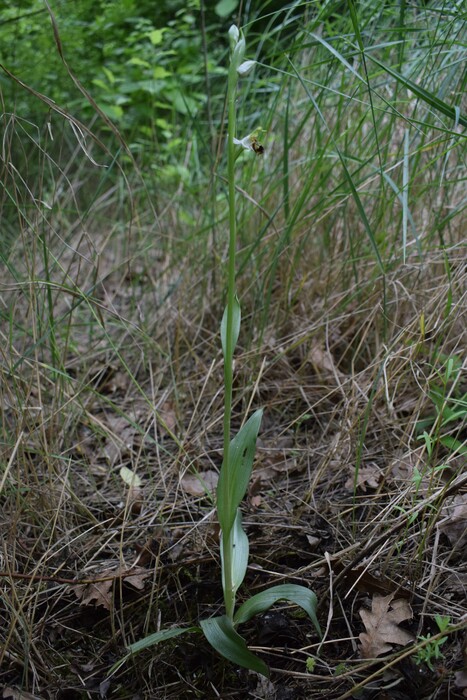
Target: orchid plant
{"type": "Point", "coordinates": [238, 453]}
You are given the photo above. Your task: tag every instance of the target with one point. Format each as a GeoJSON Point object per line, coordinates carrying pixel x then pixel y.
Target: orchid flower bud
{"type": "Point", "coordinates": [234, 35]}
{"type": "Point", "coordinates": [245, 68]}
{"type": "Point", "coordinates": [238, 52]}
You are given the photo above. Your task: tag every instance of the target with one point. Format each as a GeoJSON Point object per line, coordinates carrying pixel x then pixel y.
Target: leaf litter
{"type": "Point", "coordinates": [98, 590]}
{"type": "Point", "coordinates": [382, 626]}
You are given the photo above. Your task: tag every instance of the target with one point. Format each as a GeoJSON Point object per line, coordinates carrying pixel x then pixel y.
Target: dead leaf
{"type": "Point", "coordinates": [461, 676]}
{"type": "Point", "coordinates": [367, 476]}
{"type": "Point", "coordinates": [460, 679]}
{"type": "Point", "coordinates": [136, 577]}
{"type": "Point", "coordinates": [167, 422]}
{"type": "Point", "coordinates": [382, 626]}
{"type": "Point", "coordinates": [276, 461]}
{"type": "Point", "coordinates": [99, 592]}
{"type": "Point", "coordinates": [96, 593]}
{"type": "Point", "coordinates": [322, 362]}
{"type": "Point", "coordinates": [198, 484]}
{"type": "Point", "coordinates": [119, 438]}
{"type": "Point", "coordinates": [15, 694]}
{"type": "Point", "coordinates": [409, 469]}
{"type": "Point", "coordinates": [454, 522]}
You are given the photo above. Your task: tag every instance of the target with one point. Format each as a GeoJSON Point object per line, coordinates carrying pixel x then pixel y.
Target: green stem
{"type": "Point", "coordinates": [229, 596]}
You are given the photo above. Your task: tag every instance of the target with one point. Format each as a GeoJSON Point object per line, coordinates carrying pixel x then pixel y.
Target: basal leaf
{"type": "Point", "coordinates": [234, 476]}
{"type": "Point", "coordinates": [226, 641]}
{"type": "Point", "coordinates": [261, 602]}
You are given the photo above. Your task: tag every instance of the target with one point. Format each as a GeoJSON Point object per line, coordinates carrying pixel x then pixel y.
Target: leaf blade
{"type": "Point", "coordinates": [234, 476]}
{"type": "Point", "coordinates": [236, 321]}
{"type": "Point", "coordinates": [239, 560]}
{"type": "Point", "coordinates": [226, 641]}
{"type": "Point", "coordinates": [157, 637]}
{"type": "Point", "coordinates": [261, 602]}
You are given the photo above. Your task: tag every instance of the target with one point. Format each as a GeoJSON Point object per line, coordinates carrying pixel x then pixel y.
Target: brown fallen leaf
{"type": "Point", "coordinates": [167, 422]}
{"type": "Point", "coordinates": [460, 679]}
{"type": "Point", "coordinates": [15, 694]}
{"type": "Point", "coordinates": [367, 476]}
{"type": "Point", "coordinates": [95, 593]}
{"type": "Point", "coordinates": [461, 676]}
{"type": "Point", "coordinates": [198, 484]}
{"type": "Point", "coordinates": [120, 435]}
{"type": "Point", "coordinates": [454, 522]}
{"type": "Point", "coordinates": [382, 626]}
{"type": "Point", "coordinates": [99, 592]}
{"type": "Point", "coordinates": [135, 576]}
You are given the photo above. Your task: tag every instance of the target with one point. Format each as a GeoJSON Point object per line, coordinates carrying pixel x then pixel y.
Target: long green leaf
{"type": "Point", "coordinates": [428, 97]}
{"type": "Point", "coordinates": [226, 641]}
{"type": "Point", "coordinates": [234, 476]}
{"type": "Point", "coordinates": [261, 602]}
{"type": "Point", "coordinates": [237, 317]}
{"type": "Point", "coordinates": [239, 559]}
{"type": "Point", "coordinates": [158, 637]}
{"type": "Point", "coordinates": [453, 444]}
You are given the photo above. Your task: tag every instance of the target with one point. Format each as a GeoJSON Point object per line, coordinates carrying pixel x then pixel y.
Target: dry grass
{"type": "Point", "coordinates": [139, 386]}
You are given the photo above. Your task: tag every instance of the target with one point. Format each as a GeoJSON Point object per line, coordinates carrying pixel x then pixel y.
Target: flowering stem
{"type": "Point", "coordinates": [229, 595]}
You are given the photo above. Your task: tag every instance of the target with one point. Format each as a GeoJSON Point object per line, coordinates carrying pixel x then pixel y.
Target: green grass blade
{"type": "Point", "coordinates": [261, 602]}
{"type": "Point", "coordinates": [226, 641]}
{"type": "Point", "coordinates": [429, 98]}
{"type": "Point", "coordinates": [348, 177]}
{"type": "Point", "coordinates": [159, 637]}
{"type": "Point", "coordinates": [405, 195]}
{"type": "Point", "coordinates": [355, 24]}
{"type": "Point", "coordinates": [235, 475]}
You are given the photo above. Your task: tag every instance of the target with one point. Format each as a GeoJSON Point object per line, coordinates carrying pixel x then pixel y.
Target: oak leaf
{"type": "Point", "coordinates": [382, 626]}
{"type": "Point", "coordinates": [201, 483]}
{"type": "Point", "coordinates": [366, 476]}
{"type": "Point", "coordinates": [454, 522]}
{"type": "Point", "coordinates": [98, 591]}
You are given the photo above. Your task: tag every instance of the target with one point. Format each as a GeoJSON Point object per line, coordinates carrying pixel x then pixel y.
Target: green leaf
{"type": "Point", "coordinates": [158, 637]}
{"type": "Point", "coordinates": [137, 61]}
{"type": "Point", "coordinates": [224, 8]}
{"type": "Point", "coordinates": [234, 476]}
{"type": "Point", "coordinates": [160, 73]}
{"type": "Point", "coordinates": [156, 36]}
{"type": "Point", "coordinates": [429, 97]}
{"type": "Point", "coordinates": [109, 75]}
{"type": "Point", "coordinates": [226, 641]}
{"type": "Point", "coordinates": [261, 602]}
{"type": "Point", "coordinates": [453, 444]}
{"type": "Point", "coordinates": [240, 551]}
{"type": "Point", "coordinates": [237, 317]}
